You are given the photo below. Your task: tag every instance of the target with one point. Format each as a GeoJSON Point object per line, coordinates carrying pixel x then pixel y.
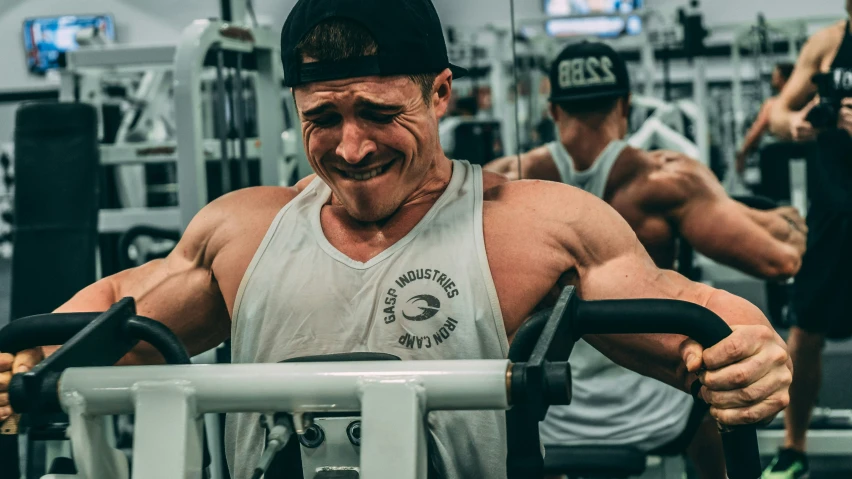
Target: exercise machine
{"type": "Point", "coordinates": [386, 397]}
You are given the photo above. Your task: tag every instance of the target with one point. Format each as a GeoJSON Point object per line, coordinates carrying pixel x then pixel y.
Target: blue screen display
{"type": "Point", "coordinates": [602, 18]}
{"type": "Point", "coordinates": [46, 37]}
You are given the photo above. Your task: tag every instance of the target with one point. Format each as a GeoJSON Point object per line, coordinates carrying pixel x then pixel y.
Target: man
{"type": "Point", "coordinates": [780, 74]}
{"type": "Point", "coordinates": [662, 195]}
{"type": "Point", "coordinates": [821, 293]}
{"type": "Point", "coordinates": [393, 248]}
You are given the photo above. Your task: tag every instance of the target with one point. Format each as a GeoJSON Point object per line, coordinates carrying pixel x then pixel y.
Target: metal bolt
{"type": "Point", "coordinates": [353, 431]}
{"type": "Point", "coordinates": [313, 437]}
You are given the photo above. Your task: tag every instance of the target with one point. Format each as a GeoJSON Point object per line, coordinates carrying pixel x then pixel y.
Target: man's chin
{"type": "Point", "coordinates": [368, 213]}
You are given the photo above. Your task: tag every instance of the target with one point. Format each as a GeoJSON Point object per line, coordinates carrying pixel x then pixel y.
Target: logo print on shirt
{"type": "Point", "coordinates": [427, 324]}
{"type": "Point", "coordinates": [433, 305]}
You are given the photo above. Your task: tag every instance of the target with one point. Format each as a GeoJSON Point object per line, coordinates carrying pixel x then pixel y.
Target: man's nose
{"type": "Point", "coordinates": [355, 143]}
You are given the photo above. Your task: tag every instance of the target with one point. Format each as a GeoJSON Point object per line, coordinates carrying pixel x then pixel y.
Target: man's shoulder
{"type": "Point", "coordinates": [247, 208]}
{"type": "Point", "coordinates": [539, 198]}
{"type": "Point", "coordinates": [671, 176]}
{"type": "Point", "coordinates": [825, 41]}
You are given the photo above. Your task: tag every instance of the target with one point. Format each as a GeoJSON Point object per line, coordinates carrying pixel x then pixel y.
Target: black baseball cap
{"type": "Point", "coordinates": [408, 33]}
{"type": "Point", "coordinates": [588, 70]}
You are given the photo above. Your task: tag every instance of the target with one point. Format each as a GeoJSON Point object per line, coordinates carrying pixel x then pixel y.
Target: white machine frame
{"type": "Point", "coordinates": [170, 401]}
{"type": "Point", "coordinates": [191, 149]}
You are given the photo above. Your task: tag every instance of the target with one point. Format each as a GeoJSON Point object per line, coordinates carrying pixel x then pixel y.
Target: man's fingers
{"type": "Point", "coordinates": [4, 399]}
{"type": "Point", "coordinates": [750, 395]}
{"type": "Point", "coordinates": [691, 353]}
{"type": "Point", "coordinates": [762, 412]}
{"type": "Point", "coordinates": [746, 372]}
{"type": "Point", "coordinates": [741, 344]}
{"type": "Point", "coordinates": [5, 412]}
{"type": "Point", "coordinates": [26, 360]}
{"type": "Point", "coordinates": [6, 360]}
{"type": "Point", "coordinates": [4, 381]}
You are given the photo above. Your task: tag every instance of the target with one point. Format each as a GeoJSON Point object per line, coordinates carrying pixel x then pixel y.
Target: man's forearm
{"type": "Point", "coordinates": [658, 355]}
{"type": "Point", "coordinates": [779, 122]}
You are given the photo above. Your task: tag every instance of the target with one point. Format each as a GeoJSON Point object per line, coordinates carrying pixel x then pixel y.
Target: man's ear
{"type": "Point", "coordinates": [554, 111]}
{"type": "Point", "coordinates": [625, 104]}
{"type": "Point", "coordinates": [442, 89]}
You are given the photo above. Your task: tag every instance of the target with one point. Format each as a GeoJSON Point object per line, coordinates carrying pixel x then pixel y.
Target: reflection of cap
{"type": "Point", "coordinates": [588, 70]}
{"type": "Point", "coordinates": [408, 33]}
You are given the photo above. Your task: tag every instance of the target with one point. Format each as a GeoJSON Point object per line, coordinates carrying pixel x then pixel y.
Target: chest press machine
{"type": "Point", "coordinates": [391, 397]}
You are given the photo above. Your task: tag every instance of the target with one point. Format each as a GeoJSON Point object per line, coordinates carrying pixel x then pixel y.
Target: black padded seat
{"type": "Point", "coordinates": [611, 462]}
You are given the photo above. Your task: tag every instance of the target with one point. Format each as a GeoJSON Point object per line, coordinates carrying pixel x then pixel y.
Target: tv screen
{"type": "Point", "coordinates": [602, 18]}
{"type": "Point", "coordinates": [46, 37]}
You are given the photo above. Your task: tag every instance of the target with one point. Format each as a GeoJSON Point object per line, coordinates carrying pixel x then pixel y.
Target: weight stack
{"type": "Point", "coordinates": [56, 205]}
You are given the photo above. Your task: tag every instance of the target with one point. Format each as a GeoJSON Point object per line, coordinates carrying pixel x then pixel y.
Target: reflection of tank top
{"type": "Point", "coordinates": [592, 180]}
{"type": "Point", "coordinates": [834, 165]}
{"type": "Point", "coordinates": [428, 296]}
{"type": "Point", "coordinates": [611, 404]}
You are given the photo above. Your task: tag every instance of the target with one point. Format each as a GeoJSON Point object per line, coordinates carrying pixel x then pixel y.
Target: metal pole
{"type": "Point", "coordinates": [240, 120]}
{"type": "Point", "coordinates": [737, 90]}
{"type": "Point", "coordinates": [223, 123]}
{"type": "Point", "coordinates": [332, 386]}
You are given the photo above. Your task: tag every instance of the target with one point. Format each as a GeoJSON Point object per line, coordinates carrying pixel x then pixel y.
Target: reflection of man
{"type": "Point", "coordinates": [780, 75]}
{"type": "Point", "coordinates": [821, 299]}
{"type": "Point", "coordinates": [661, 195]}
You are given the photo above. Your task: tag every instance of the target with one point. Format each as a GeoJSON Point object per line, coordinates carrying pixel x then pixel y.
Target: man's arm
{"type": "Point", "coordinates": [535, 165]}
{"type": "Point", "coordinates": [747, 374]}
{"type": "Point", "coordinates": [181, 290]}
{"type": "Point", "coordinates": [760, 243]}
{"type": "Point", "coordinates": [786, 120]}
{"type": "Point", "coordinates": [755, 133]}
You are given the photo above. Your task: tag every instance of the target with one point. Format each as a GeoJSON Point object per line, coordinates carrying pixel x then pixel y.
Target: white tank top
{"type": "Point", "coordinates": [429, 296]}
{"type": "Point", "coordinates": [611, 404]}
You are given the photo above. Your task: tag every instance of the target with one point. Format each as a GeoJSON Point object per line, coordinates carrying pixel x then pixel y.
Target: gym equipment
{"type": "Point", "coordinates": [477, 141]}
{"type": "Point", "coordinates": [664, 128]}
{"type": "Point", "coordinates": [244, 57]}
{"type": "Point", "coordinates": [168, 400]}
{"type": "Point", "coordinates": [55, 205]}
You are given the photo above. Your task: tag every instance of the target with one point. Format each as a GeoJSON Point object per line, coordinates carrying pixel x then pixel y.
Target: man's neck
{"type": "Point", "coordinates": [584, 142]}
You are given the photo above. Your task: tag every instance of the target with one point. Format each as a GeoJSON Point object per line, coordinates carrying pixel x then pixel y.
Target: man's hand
{"type": "Point", "coordinates": [745, 377]}
{"type": "Point", "coordinates": [797, 229]}
{"type": "Point", "coordinates": [9, 365]}
{"type": "Point", "coordinates": [844, 118]}
{"type": "Point", "coordinates": [801, 129]}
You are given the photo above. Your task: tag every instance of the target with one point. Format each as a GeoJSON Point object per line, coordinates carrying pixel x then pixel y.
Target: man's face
{"type": "Point", "coordinates": [373, 140]}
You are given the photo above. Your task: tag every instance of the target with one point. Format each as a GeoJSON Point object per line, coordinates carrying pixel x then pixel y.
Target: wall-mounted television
{"type": "Point", "coordinates": [45, 38]}
{"type": "Point", "coordinates": [602, 18]}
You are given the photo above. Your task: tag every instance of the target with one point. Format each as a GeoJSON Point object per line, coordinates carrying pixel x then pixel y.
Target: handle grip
{"type": "Point", "coordinates": [742, 455]}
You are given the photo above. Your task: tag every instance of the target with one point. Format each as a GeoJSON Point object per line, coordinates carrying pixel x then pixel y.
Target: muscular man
{"type": "Point", "coordinates": [661, 195]}
{"type": "Point", "coordinates": [821, 294]}
{"type": "Point", "coordinates": [346, 260]}
{"type": "Point", "coordinates": [780, 75]}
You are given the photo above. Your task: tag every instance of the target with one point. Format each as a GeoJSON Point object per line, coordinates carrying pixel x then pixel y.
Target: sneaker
{"type": "Point", "coordinates": [788, 464]}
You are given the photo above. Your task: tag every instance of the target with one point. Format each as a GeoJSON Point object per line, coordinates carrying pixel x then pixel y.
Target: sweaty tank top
{"type": "Point", "coordinates": [834, 163]}
{"type": "Point", "coordinates": [611, 404]}
{"type": "Point", "coordinates": [429, 296]}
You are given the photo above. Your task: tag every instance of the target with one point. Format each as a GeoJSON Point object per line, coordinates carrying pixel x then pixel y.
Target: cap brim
{"type": "Point", "coordinates": [589, 96]}
{"type": "Point", "coordinates": [459, 72]}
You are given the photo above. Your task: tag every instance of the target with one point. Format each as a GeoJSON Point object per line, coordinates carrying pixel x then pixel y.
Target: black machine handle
{"type": "Point", "coordinates": [87, 339]}
{"type": "Point", "coordinates": [675, 317]}
{"type": "Point", "coordinates": [540, 375]}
